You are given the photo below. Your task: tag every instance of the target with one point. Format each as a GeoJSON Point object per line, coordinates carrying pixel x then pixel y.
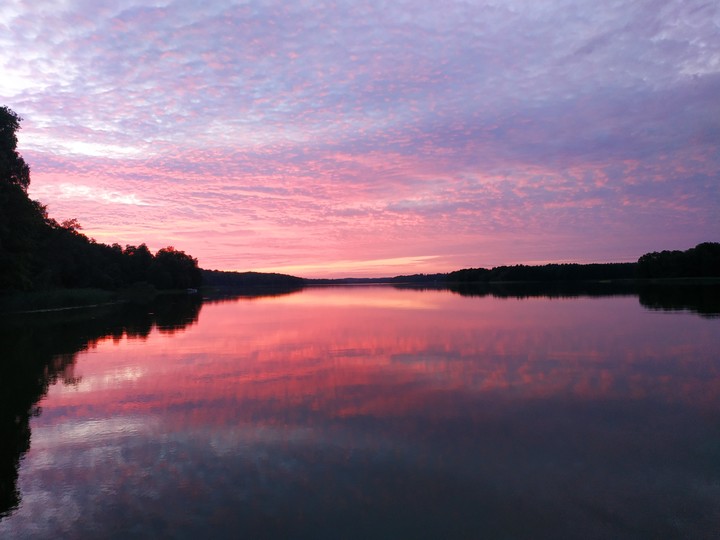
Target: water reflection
{"type": "Point", "coordinates": [230, 294]}
{"type": "Point", "coordinates": [39, 349]}
{"type": "Point", "coordinates": [384, 413]}
{"type": "Point", "coordinates": [700, 298]}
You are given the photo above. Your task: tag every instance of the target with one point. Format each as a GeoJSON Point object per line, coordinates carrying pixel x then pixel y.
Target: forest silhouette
{"type": "Point", "coordinates": [40, 253]}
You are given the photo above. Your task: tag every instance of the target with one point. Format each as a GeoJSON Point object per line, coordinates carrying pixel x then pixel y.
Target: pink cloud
{"type": "Point", "coordinates": [371, 131]}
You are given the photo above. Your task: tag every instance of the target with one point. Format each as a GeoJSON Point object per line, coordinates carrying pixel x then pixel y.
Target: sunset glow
{"type": "Point", "coordinates": [372, 138]}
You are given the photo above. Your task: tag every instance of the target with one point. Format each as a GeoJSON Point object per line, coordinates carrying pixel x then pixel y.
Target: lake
{"type": "Point", "coordinates": [365, 412]}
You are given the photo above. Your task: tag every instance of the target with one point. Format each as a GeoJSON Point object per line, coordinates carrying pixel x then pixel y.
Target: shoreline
{"type": "Point", "coordinates": [60, 300]}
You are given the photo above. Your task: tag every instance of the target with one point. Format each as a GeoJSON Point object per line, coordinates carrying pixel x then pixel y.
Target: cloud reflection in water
{"type": "Point", "coordinates": [327, 414]}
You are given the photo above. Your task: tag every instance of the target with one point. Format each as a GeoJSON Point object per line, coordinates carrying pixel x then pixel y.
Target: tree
{"type": "Point", "coordinates": [22, 220]}
{"type": "Point", "coordinates": [701, 261]}
{"type": "Point", "coordinates": [13, 168]}
{"type": "Point", "coordinates": [37, 252]}
{"type": "Point", "coordinates": [137, 262]}
{"type": "Point", "coordinates": [174, 269]}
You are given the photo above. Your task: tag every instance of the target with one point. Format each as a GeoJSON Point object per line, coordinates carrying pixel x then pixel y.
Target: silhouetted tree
{"type": "Point", "coordinates": [13, 169]}
{"type": "Point", "coordinates": [37, 252]}
{"type": "Point", "coordinates": [547, 272]}
{"type": "Point", "coordinates": [21, 220]}
{"type": "Point", "coordinates": [251, 280]}
{"type": "Point", "coordinates": [174, 269]}
{"type": "Point", "coordinates": [701, 261]}
{"type": "Point", "coordinates": [136, 263]}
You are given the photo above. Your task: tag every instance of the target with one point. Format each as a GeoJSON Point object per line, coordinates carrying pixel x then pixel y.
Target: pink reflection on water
{"type": "Point", "coordinates": [337, 353]}
{"type": "Point", "coordinates": [388, 409]}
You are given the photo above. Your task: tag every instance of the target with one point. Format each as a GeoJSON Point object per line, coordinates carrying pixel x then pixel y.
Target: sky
{"type": "Point", "coordinates": [372, 138]}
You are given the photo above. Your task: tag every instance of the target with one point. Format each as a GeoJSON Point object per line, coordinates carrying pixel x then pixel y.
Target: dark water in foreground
{"type": "Point", "coordinates": [365, 412]}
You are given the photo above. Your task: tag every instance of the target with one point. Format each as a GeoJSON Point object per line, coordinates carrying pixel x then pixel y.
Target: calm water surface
{"type": "Point", "coordinates": [369, 412]}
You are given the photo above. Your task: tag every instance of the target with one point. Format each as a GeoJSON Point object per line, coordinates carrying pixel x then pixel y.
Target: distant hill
{"type": "Point", "coordinates": [245, 280]}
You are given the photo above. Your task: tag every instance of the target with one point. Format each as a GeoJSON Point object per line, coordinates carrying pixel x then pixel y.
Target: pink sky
{"type": "Point", "coordinates": [372, 138]}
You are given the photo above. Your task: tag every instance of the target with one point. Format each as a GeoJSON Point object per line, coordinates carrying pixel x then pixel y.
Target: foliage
{"type": "Point", "coordinates": [548, 272]}
{"type": "Point", "coordinates": [701, 261]}
{"type": "Point", "coordinates": [173, 269]}
{"type": "Point", "coordinates": [38, 253]}
{"type": "Point", "coordinates": [13, 168]}
{"type": "Point", "coordinates": [219, 278]}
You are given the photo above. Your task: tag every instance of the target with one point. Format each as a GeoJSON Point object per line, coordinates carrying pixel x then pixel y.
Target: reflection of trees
{"type": "Point", "coordinates": [36, 350]}
{"type": "Point", "coordinates": [225, 294]}
{"type": "Point", "coordinates": [703, 299]}
{"type": "Point", "coordinates": [553, 289]}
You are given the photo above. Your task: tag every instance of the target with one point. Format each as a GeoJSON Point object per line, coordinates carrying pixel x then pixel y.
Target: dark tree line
{"type": "Point", "coordinates": [547, 272]}
{"type": "Point", "coordinates": [701, 261]}
{"type": "Point", "coordinates": [37, 252]}
{"type": "Point", "coordinates": [250, 280]}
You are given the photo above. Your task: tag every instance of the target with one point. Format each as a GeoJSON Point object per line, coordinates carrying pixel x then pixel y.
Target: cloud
{"type": "Point", "coordinates": [356, 267]}
{"type": "Point", "coordinates": [74, 191]}
{"type": "Point", "coordinates": [403, 122]}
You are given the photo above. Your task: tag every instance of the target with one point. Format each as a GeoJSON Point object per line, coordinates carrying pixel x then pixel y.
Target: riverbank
{"type": "Point", "coordinates": [74, 299]}
{"type": "Point", "coordinates": [55, 300]}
